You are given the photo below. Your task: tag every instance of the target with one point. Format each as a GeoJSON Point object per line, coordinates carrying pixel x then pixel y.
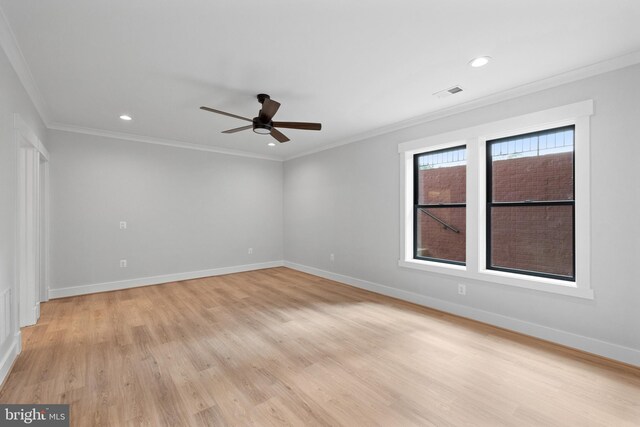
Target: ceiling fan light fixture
{"type": "Point", "coordinates": [262, 129]}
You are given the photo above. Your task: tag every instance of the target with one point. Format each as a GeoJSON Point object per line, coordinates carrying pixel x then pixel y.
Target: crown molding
{"type": "Point", "coordinates": [581, 73]}
{"type": "Point", "coordinates": [11, 48]}
{"type": "Point", "coordinates": [157, 141]}
{"type": "Point", "coordinates": [602, 67]}
{"type": "Point", "coordinates": [16, 58]}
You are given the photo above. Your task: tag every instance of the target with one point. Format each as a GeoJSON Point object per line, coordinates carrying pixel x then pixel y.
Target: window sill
{"type": "Point", "coordinates": [542, 284]}
{"type": "Point", "coordinates": [435, 267]}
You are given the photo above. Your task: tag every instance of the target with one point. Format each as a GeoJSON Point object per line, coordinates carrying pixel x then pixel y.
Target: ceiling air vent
{"type": "Point", "coordinates": [448, 92]}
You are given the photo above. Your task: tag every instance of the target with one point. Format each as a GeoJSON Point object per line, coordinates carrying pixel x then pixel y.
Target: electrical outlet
{"type": "Point", "coordinates": [123, 225]}
{"type": "Point", "coordinates": [332, 257]}
{"type": "Point", "coordinates": [462, 289]}
{"type": "Point", "coordinates": [123, 263]}
{"type": "Point", "coordinates": [250, 251]}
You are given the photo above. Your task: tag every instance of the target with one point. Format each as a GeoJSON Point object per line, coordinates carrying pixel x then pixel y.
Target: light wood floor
{"type": "Point", "coordinates": [279, 347]}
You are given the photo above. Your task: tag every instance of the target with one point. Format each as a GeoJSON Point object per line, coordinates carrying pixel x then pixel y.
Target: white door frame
{"type": "Point", "coordinates": [32, 241]}
{"type": "Point", "coordinates": [44, 228]}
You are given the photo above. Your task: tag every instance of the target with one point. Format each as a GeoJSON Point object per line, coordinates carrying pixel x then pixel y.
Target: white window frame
{"type": "Point", "coordinates": [475, 139]}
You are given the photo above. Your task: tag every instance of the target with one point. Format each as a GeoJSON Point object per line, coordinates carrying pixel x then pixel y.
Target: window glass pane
{"type": "Point", "coordinates": [534, 167]}
{"type": "Point", "coordinates": [435, 240]}
{"type": "Point", "coordinates": [442, 176]}
{"type": "Point", "coordinates": [533, 238]}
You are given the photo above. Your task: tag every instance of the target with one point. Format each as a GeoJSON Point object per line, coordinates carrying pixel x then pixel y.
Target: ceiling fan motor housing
{"type": "Point", "coordinates": [260, 127]}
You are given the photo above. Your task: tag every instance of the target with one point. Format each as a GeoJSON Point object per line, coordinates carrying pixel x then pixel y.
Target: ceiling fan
{"type": "Point", "coordinates": [263, 124]}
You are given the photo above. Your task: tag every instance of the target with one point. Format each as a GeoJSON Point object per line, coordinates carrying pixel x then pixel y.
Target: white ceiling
{"type": "Point", "coordinates": [354, 66]}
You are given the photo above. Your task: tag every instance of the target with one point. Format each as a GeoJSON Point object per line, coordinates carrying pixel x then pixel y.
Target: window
{"type": "Point", "coordinates": [516, 212]}
{"type": "Point", "coordinates": [440, 179]}
{"type": "Point", "coordinates": [531, 204]}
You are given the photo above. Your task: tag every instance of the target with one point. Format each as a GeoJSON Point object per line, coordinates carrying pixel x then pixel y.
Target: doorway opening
{"type": "Point", "coordinates": [32, 224]}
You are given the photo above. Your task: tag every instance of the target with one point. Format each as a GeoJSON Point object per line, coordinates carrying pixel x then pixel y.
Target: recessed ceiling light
{"type": "Point", "coordinates": [480, 61]}
{"type": "Point", "coordinates": [271, 144]}
{"type": "Point", "coordinates": [125, 117]}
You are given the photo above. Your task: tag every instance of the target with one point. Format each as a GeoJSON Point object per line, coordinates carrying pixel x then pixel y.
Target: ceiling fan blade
{"type": "Point", "coordinates": [278, 135]}
{"type": "Point", "coordinates": [269, 109]}
{"type": "Point", "coordinates": [225, 114]}
{"type": "Point", "coordinates": [237, 129]}
{"type": "Point", "coordinates": [298, 125]}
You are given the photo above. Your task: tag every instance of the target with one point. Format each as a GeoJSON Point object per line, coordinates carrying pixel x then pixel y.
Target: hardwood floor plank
{"type": "Point", "coordinates": [279, 347]}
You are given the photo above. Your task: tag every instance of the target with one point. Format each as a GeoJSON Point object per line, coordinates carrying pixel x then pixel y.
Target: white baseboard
{"type": "Point", "coordinates": [590, 345]}
{"type": "Point", "coordinates": [9, 357]}
{"type": "Point", "coordinates": [156, 280]}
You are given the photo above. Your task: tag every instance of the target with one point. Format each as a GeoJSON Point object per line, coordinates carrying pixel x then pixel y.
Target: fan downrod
{"type": "Point", "coordinates": [262, 97]}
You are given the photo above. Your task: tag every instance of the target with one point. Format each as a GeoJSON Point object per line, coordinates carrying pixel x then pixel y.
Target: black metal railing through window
{"type": "Point", "coordinates": [446, 225]}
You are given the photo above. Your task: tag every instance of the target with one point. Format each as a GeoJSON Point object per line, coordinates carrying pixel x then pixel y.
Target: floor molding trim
{"type": "Point", "coordinates": [156, 280]}
{"type": "Point", "coordinates": [9, 358]}
{"type": "Point", "coordinates": [590, 345]}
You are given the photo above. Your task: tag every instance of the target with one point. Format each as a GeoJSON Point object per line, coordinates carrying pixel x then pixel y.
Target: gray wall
{"type": "Point", "coordinates": [346, 201]}
{"type": "Point", "coordinates": [186, 210]}
{"type": "Point", "coordinates": [13, 99]}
